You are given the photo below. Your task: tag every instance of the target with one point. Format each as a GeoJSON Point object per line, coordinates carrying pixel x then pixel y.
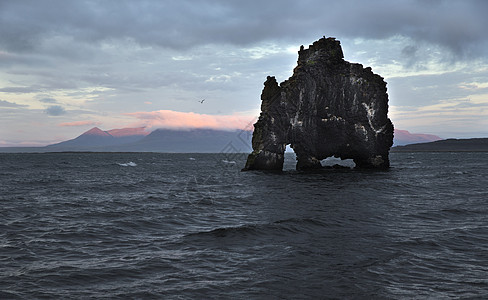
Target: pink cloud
{"type": "Point", "coordinates": [187, 120]}
{"type": "Point", "coordinates": [128, 132]}
{"type": "Point", "coordinates": [80, 123]}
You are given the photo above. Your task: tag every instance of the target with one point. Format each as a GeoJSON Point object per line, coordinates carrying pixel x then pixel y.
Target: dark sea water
{"type": "Point", "coordinates": [192, 226]}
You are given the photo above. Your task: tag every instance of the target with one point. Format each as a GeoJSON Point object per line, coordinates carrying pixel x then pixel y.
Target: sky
{"type": "Point", "coordinates": [69, 65]}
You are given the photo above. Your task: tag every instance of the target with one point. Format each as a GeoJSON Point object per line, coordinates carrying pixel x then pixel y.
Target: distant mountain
{"type": "Point", "coordinates": [454, 145]}
{"type": "Point", "coordinates": [170, 140]}
{"type": "Point", "coordinates": [95, 131]}
{"type": "Point", "coordinates": [403, 137]}
{"type": "Point", "coordinates": [96, 137]}
{"type": "Point", "coordinates": [194, 140]}
{"type": "Point", "coordinates": [140, 131]}
{"type": "Point", "coordinates": [160, 140]}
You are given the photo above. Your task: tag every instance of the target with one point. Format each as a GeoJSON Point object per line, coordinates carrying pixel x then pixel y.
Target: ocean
{"type": "Point", "coordinates": [193, 226]}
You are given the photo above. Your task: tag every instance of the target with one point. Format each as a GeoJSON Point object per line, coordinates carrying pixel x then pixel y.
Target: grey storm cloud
{"type": "Point", "coordinates": [457, 25]}
{"type": "Point", "coordinates": [20, 89]}
{"type": "Point", "coordinates": [5, 103]}
{"type": "Point", "coordinates": [55, 110]}
{"type": "Point", "coordinates": [48, 100]}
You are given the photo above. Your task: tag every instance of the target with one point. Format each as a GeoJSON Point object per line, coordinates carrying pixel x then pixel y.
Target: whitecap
{"type": "Point", "coordinates": [228, 162]}
{"type": "Point", "coordinates": [191, 158]}
{"type": "Point", "coordinates": [129, 164]}
{"type": "Point", "coordinates": [332, 160]}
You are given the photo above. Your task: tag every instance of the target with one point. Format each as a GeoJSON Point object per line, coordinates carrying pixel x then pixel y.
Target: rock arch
{"type": "Point", "coordinates": [327, 107]}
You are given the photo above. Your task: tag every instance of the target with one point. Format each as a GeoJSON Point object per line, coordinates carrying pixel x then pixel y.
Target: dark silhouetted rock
{"type": "Point", "coordinates": [329, 107]}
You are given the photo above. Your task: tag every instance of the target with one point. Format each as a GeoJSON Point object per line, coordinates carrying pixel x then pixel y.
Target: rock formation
{"type": "Point", "coordinates": [329, 107]}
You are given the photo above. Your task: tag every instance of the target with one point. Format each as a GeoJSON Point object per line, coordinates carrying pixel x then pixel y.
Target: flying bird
{"type": "Point", "coordinates": [201, 101]}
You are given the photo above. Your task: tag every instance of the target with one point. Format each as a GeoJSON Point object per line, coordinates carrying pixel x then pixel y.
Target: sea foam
{"type": "Point", "coordinates": [129, 164]}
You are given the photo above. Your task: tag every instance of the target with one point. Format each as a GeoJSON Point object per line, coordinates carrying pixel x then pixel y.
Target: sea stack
{"type": "Point", "coordinates": [328, 107]}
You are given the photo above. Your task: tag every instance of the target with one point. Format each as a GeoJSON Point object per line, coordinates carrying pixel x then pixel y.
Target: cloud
{"type": "Point", "coordinates": [26, 25]}
{"type": "Point", "coordinates": [21, 89]}
{"type": "Point", "coordinates": [4, 103]}
{"type": "Point", "coordinates": [48, 100]}
{"type": "Point", "coordinates": [55, 110]}
{"type": "Point", "coordinates": [188, 120]}
{"type": "Point", "coordinates": [100, 59]}
{"type": "Point", "coordinates": [80, 123]}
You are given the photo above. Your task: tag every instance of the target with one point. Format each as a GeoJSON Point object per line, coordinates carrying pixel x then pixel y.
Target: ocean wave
{"type": "Point", "coordinates": [175, 228]}
{"type": "Point", "coordinates": [129, 164]}
{"type": "Point", "coordinates": [292, 225]}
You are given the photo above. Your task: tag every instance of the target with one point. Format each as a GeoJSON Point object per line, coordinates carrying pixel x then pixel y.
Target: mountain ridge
{"type": "Point", "coordinates": [448, 145]}
{"type": "Point", "coordinates": [159, 140]}
{"type": "Point", "coordinates": [171, 140]}
{"type": "Point", "coordinates": [404, 137]}
{"type": "Point", "coordinates": [95, 137]}
{"type": "Point", "coordinates": [95, 131]}
{"type": "Point", "coordinates": [138, 139]}
{"type": "Point", "coordinates": [127, 132]}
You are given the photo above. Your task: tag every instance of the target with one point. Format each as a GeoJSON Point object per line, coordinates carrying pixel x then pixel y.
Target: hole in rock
{"type": "Point", "coordinates": [290, 159]}
{"type": "Point", "coordinates": [333, 161]}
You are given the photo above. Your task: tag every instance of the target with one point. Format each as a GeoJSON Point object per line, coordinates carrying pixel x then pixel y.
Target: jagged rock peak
{"type": "Point", "coordinates": [326, 49]}
{"type": "Point", "coordinates": [329, 107]}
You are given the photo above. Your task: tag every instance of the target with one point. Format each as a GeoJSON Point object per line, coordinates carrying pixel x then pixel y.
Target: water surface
{"type": "Point", "coordinates": [183, 226]}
